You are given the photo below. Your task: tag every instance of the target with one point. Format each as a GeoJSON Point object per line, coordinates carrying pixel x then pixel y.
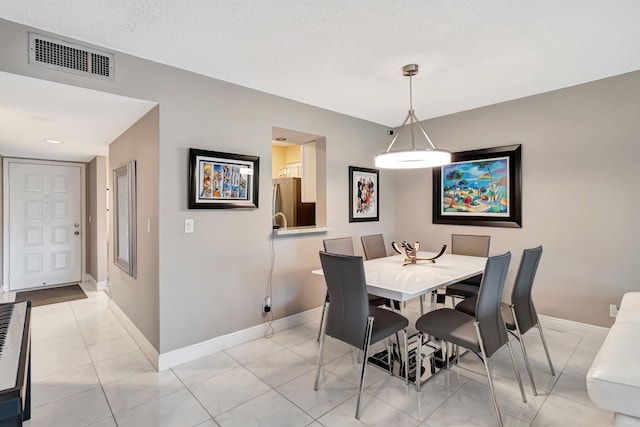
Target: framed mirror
{"type": "Point", "coordinates": [124, 218]}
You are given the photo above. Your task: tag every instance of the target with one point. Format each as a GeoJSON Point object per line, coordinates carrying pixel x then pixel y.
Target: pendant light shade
{"type": "Point", "coordinates": [414, 157]}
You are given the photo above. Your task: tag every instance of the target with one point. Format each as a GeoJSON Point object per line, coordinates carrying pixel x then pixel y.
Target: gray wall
{"type": "Point", "coordinates": [139, 297]}
{"type": "Point", "coordinates": [91, 232]}
{"type": "Point", "coordinates": [2, 214]}
{"type": "Point", "coordinates": [96, 219]}
{"type": "Point", "coordinates": [212, 282]}
{"type": "Point", "coordinates": [580, 154]}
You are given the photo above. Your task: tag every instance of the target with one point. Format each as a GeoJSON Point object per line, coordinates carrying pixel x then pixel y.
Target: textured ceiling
{"type": "Point", "coordinates": [347, 55]}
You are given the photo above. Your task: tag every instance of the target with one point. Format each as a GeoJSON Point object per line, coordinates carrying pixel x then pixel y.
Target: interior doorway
{"type": "Point", "coordinates": [44, 211]}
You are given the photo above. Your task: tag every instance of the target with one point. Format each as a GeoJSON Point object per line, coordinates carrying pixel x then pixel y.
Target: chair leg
{"type": "Point", "coordinates": [324, 308]}
{"type": "Point", "coordinates": [418, 360]}
{"type": "Point", "coordinates": [456, 349]}
{"type": "Point", "coordinates": [390, 359]}
{"type": "Point", "coordinates": [524, 351]}
{"type": "Point", "coordinates": [364, 364]}
{"type": "Point", "coordinates": [445, 356]}
{"type": "Point", "coordinates": [515, 368]}
{"type": "Point", "coordinates": [546, 349]}
{"type": "Point", "coordinates": [321, 350]}
{"type": "Point", "coordinates": [485, 362]}
{"type": "Point", "coordinates": [406, 358]}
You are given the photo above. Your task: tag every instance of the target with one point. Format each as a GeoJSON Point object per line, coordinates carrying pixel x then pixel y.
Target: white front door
{"type": "Point", "coordinates": [45, 218]}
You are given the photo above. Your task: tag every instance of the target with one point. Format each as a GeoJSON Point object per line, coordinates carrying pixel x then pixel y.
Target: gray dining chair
{"type": "Point", "coordinates": [483, 334]}
{"type": "Point", "coordinates": [374, 248]}
{"type": "Point", "coordinates": [520, 315]}
{"type": "Point", "coordinates": [471, 245]}
{"type": "Point", "coordinates": [343, 246]}
{"type": "Point", "coordinates": [351, 319]}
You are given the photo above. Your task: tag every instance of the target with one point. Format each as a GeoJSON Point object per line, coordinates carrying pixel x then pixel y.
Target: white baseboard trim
{"type": "Point", "coordinates": [103, 285]}
{"type": "Point", "coordinates": [89, 279]}
{"type": "Point", "coordinates": [182, 355]}
{"type": "Point", "coordinates": [564, 323]}
{"type": "Point", "coordinates": [186, 354]}
{"type": "Point", "coordinates": [147, 348]}
{"type": "Point", "coordinates": [98, 286]}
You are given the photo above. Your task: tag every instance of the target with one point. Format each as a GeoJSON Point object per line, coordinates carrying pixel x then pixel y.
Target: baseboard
{"type": "Point", "coordinates": [182, 355]}
{"type": "Point", "coordinates": [98, 286]}
{"type": "Point", "coordinates": [103, 285]}
{"type": "Point", "coordinates": [147, 348]}
{"type": "Point", "coordinates": [186, 354]}
{"type": "Point", "coordinates": [551, 321]}
{"type": "Point", "coordinates": [89, 279]}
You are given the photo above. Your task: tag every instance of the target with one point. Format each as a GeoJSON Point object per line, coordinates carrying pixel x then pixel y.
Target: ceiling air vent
{"type": "Point", "coordinates": [60, 55]}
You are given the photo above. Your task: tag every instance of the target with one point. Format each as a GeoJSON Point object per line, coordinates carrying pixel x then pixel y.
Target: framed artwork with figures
{"type": "Point", "coordinates": [364, 195]}
{"type": "Point", "coordinates": [222, 180]}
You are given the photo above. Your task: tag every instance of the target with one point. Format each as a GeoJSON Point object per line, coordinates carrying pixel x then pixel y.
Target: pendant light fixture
{"type": "Point", "coordinates": [414, 157]}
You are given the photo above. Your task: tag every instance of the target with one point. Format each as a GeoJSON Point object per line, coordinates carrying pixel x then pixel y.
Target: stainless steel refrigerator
{"type": "Point", "coordinates": [287, 199]}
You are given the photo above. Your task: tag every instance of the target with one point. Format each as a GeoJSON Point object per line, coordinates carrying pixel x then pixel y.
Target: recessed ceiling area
{"type": "Point", "coordinates": [286, 137]}
{"type": "Point", "coordinates": [85, 121]}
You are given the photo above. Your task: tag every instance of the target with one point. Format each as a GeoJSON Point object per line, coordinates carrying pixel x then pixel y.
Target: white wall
{"type": "Point", "coordinates": [580, 154]}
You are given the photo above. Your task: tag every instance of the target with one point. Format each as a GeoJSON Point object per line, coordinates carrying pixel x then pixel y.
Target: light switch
{"type": "Point", "coordinates": [188, 226]}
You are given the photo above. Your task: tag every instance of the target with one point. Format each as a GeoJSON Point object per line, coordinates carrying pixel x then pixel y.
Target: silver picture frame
{"type": "Point", "coordinates": [124, 218]}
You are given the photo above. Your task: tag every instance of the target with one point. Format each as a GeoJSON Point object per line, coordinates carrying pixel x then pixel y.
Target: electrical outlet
{"type": "Point", "coordinates": [613, 310]}
{"type": "Point", "coordinates": [266, 305]}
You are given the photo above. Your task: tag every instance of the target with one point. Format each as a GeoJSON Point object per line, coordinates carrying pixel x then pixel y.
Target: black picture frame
{"type": "Point", "coordinates": [220, 180]}
{"type": "Point", "coordinates": [502, 195]}
{"type": "Point", "coordinates": [364, 206]}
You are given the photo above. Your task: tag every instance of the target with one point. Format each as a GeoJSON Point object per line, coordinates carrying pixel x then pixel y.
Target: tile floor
{"type": "Point", "coordinates": [87, 371]}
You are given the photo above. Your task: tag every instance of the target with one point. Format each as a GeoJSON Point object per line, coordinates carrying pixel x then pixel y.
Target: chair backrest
{"type": "Point", "coordinates": [373, 246]}
{"type": "Point", "coordinates": [490, 322]}
{"type": "Point", "coordinates": [341, 246]}
{"type": "Point", "coordinates": [521, 294]}
{"type": "Point", "coordinates": [470, 244]}
{"type": "Point", "coordinates": [349, 306]}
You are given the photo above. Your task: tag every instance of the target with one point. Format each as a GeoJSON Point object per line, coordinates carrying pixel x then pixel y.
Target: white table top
{"type": "Point", "coordinates": [387, 277]}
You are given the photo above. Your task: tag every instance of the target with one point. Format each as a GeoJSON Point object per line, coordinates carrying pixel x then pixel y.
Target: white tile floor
{"type": "Point", "coordinates": [87, 371]}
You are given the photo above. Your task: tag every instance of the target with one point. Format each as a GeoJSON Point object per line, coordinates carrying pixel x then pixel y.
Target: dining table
{"type": "Point", "coordinates": [391, 277]}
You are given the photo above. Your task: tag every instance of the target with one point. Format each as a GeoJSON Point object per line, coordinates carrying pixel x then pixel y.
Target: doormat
{"type": "Point", "coordinates": [51, 295]}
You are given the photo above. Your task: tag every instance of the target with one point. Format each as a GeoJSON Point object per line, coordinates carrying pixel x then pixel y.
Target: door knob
{"type": "Point", "coordinates": [76, 232]}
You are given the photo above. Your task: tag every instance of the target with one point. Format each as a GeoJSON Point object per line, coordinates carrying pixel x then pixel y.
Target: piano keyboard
{"type": "Point", "coordinates": [15, 348]}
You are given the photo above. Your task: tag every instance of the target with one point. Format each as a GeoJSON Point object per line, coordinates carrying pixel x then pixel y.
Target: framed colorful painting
{"type": "Point", "coordinates": [364, 197]}
{"type": "Point", "coordinates": [222, 180]}
{"type": "Point", "coordinates": [480, 187]}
